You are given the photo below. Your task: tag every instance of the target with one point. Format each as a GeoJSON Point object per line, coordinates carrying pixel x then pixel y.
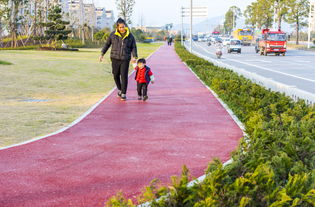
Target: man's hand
{"type": "Point", "coordinates": [134, 60]}
{"type": "Point", "coordinates": [101, 58]}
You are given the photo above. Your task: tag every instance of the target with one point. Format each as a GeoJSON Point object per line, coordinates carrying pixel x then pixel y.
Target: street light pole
{"type": "Point", "coordinates": [233, 23]}
{"type": "Point", "coordinates": [191, 8]}
{"type": "Point", "coordinates": [309, 24]}
{"type": "Point", "coordinates": [181, 33]}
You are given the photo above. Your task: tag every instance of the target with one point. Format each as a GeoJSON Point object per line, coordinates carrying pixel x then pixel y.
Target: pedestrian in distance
{"type": "Point", "coordinates": [123, 48]}
{"type": "Point", "coordinates": [170, 40]}
{"type": "Point", "coordinates": [143, 77]}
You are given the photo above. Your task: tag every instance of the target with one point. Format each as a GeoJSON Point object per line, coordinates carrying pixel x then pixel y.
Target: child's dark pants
{"type": "Point", "coordinates": [142, 89]}
{"type": "Point", "coordinates": [120, 72]}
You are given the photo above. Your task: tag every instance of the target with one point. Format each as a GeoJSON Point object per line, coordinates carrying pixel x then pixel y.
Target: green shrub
{"type": "Point", "coordinates": [31, 47]}
{"type": "Point", "coordinates": [275, 167]}
{"type": "Point", "coordinates": [72, 43]}
{"type": "Point", "coordinates": [4, 63]}
{"type": "Point", "coordinates": [9, 39]}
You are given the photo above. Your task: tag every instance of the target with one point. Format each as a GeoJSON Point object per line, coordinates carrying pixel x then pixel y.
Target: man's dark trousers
{"type": "Point", "coordinates": [120, 72]}
{"type": "Point", "coordinates": [142, 89]}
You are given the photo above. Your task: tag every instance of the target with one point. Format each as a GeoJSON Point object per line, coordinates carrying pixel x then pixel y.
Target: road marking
{"type": "Point", "coordinates": [303, 61]}
{"type": "Point", "coordinates": [263, 61]}
{"type": "Point", "coordinates": [260, 67]}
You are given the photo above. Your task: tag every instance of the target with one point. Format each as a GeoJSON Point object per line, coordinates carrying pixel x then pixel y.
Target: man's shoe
{"type": "Point", "coordinates": [119, 94]}
{"type": "Point", "coordinates": [145, 98]}
{"type": "Point", "coordinates": [139, 98]}
{"type": "Point", "coordinates": [123, 97]}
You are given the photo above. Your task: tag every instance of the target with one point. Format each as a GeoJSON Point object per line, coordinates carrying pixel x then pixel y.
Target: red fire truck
{"type": "Point", "coordinates": [271, 42]}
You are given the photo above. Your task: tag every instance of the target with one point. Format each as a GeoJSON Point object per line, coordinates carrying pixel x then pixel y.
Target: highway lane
{"type": "Point", "coordinates": [297, 68]}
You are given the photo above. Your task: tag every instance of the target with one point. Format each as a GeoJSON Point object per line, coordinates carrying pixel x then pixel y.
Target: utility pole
{"type": "Point", "coordinates": [233, 23]}
{"type": "Point", "coordinates": [191, 17]}
{"type": "Point", "coordinates": [182, 30]}
{"type": "Point", "coordinates": [310, 17]}
{"type": "Point", "coordinates": [274, 15]}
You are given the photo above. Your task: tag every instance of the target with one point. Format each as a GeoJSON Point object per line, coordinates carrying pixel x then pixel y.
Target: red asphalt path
{"type": "Point", "coordinates": [123, 145]}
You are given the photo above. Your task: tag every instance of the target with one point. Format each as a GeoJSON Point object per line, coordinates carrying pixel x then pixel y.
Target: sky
{"type": "Point", "coordinates": [161, 12]}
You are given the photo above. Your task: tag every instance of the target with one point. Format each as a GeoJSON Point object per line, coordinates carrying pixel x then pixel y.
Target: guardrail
{"type": "Point", "coordinates": [290, 90]}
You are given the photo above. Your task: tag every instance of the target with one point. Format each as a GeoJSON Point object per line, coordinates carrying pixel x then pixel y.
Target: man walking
{"type": "Point", "coordinates": [123, 46]}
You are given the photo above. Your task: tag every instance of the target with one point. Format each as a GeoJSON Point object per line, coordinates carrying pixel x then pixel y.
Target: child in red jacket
{"type": "Point", "coordinates": [143, 77]}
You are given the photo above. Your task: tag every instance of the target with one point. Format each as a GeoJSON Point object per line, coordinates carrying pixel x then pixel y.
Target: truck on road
{"type": "Point", "coordinates": [245, 35]}
{"type": "Point", "coordinates": [271, 42]}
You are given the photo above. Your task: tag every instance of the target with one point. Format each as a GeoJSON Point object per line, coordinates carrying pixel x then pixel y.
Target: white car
{"type": "Point", "coordinates": [234, 46]}
{"type": "Point", "coordinates": [226, 41]}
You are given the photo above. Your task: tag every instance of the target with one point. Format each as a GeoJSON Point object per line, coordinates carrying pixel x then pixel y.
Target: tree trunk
{"type": "Point", "coordinates": [35, 17]}
{"type": "Point", "coordinates": [92, 34]}
{"type": "Point", "coordinates": [279, 22]}
{"type": "Point", "coordinates": [297, 30]}
{"type": "Point", "coordinates": [82, 35]}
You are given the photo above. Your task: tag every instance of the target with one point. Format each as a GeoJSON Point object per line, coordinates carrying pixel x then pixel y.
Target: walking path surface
{"type": "Point", "coordinates": [123, 145]}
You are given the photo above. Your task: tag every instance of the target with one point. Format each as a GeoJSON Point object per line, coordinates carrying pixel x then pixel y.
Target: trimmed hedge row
{"type": "Point", "coordinates": [30, 47]}
{"type": "Point", "coordinates": [275, 167]}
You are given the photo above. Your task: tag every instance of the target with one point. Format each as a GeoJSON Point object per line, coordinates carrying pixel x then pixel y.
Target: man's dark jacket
{"type": "Point", "coordinates": [122, 47]}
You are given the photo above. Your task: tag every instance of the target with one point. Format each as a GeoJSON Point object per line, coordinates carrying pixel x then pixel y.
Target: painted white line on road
{"type": "Point", "coordinates": [303, 61]}
{"type": "Point", "coordinates": [263, 61]}
{"type": "Point", "coordinates": [260, 67]}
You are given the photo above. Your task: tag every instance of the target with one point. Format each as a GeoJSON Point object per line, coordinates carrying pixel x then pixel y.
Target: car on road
{"type": "Point", "coordinates": [218, 40]}
{"type": "Point", "coordinates": [226, 41]}
{"type": "Point", "coordinates": [234, 46]}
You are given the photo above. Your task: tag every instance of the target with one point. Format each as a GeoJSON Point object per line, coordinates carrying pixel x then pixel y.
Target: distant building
{"type": "Point", "coordinates": [150, 28]}
{"type": "Point", "coordinates": [89, 15]}
{"type": "Point", "coordinates": [110, 21]}
{"type": "Point", "coordinates": [100, 17]}
{"type": "Point", "coordinates": [64, 6]}
{"type": "Point", "coordinates": [76, 13]}
{"type": "Point", "coordinates": [104, 18]}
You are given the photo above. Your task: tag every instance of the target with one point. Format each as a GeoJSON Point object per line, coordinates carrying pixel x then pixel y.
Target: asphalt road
{"type": "Point", "coordinates": [297, 68]}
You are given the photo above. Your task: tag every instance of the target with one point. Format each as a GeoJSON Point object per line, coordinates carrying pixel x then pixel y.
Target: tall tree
{"type": "Point", "coordinates": [260, 13]}
{"type": "Point", "coordinates": [4, 15]}
{"type": "Point", "coordinates": [230, 18]}
{"type": "Point", "coordinates": [250, 17]}
{"type": "Point", "coordinates": [125, 9]}
{"type": "Point", "coordinates": [281, 8]}
{"type": "Point", "coordinates": [297, 14]}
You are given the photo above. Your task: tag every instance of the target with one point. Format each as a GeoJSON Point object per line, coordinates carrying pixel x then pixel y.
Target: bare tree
{"type": "Point", "coordinates": [125, 8]}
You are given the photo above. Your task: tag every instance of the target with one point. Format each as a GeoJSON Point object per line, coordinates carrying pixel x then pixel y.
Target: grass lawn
{"type": "Point", "coordinates": [43, 91]}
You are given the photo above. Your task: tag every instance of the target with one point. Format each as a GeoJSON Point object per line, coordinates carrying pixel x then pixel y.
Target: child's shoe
{"type": "Point", "coordinates": [145, 98]}
{"type": "Point", "coordinates": [123, 97]}
{"type": "Point", "coordinates": [139, 98]}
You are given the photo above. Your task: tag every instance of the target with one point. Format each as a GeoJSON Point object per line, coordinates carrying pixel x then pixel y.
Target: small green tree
{"type": "Point", "coordinates": [102, 35]}
{"type": "Point", "coordinates": [56, 27]}
{"type": "Point", "coordinates": [138, 34]}
{"type": "Point", "coordinates": [230, 18]}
